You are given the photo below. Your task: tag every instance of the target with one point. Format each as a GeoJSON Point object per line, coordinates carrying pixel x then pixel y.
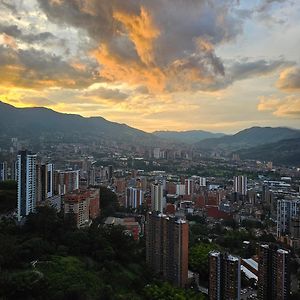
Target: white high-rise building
{"type": "Point", "coordinates": [26, 178]}
{"type": "Point", "coordinates": [286, 210]}
{"type": "Point", "coordinates": [240, 185]}
{"type": "Point", "coordinates": [158, 201]}
{"type": "Point", "coordinates": [202, 181]}
{"type": "Point", "coordinates": [180, 189]}
{"type": "Point", "coordinates": [134, 197]}
{"type": "Point", "coordinates": [189, 186]}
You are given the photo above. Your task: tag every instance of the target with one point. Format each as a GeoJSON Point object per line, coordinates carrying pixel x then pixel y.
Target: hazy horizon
{"type": "Point", "coordinates": [159, 130]}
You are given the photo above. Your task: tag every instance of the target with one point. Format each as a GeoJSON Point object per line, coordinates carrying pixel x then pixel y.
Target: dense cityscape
{"type": "Point", "coordinates": [220, 228]}
{"type": "Point", "coordinates": [149, 150]}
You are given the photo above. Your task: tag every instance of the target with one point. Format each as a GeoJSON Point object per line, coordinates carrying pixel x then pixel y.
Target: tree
{"type": "Point", "coordinates": [198, 258]}
{"type": "Point", "coordinates": [165, 291]}
{"type": "Point", "coordinates": [108, 202]}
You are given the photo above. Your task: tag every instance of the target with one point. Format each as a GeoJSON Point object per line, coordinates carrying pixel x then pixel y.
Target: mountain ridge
{"type": "Point", "coordinates": [247, 138]}
{"type": "Point", "coordinates": [286, 152]}
{"type": "Point", "coordinates": [37, 122]}
{"type": "Point", "coordinates": [32, 122]}
{"type": "Point", "coordinates": [188, 136]}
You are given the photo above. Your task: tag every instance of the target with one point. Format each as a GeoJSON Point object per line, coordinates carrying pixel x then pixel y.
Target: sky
{"type": "Point", "coordinates": [217, 65]}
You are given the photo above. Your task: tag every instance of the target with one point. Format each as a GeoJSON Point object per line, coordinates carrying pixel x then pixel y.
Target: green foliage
{"type": "Point", "coordinates": [249, 224]}
{"type": "Point", "coordinates": [63, 262]}
{"type": "Point", "coordinates": [230, 223]}
{"type": "Point", "coordinates": [8, 196]}
{"type": "Point", "coordinates": [28, 284]}
{"type": "Point", "coordinates": [66, 276]}
{"type": "Point", "coordinates": [167, 292]}
{"type": "Point", "coordinates": [198, 232]}
{"type": "Point", "coordinates": [8, 185]}
{"type": "Point", "coordinates": [283, 152]}
{"type": "Point", "coordinates": [108, 202]}
{"type": "Point", "coordinates": [198, 258]}
{"type": "Point", "coordinates": [233, 240]}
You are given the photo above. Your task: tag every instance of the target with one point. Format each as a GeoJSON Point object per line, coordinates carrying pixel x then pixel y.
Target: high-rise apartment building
{"type": "Point", "coordinates": [94, 203]}
{"type": "Point", "coordinates": [240, 185]}
{"type": "Point", "coordinates": [167, 247]}
{"type": "Point", "coordinates": [26, 179]}
{"type": "Point", "coordinates": [120, 185]}
{"type": "Point", "coordinates": [134, 197]}
{"type": "Point", "coordinates": [92, 176]}
{"type": "Point", "coordinates": [3, 171]}
{"type": "Point", "coordinates": [84, 205]}
{"type": "Point", "coordinates": [224, 276]}
{"type": "Point", "coordinates": [286, 211]}
{"type": "Point", "coordinates": [106, 173]}
{"type": "Point", "coordinates": [77, 204]}
{"type": "Point", "coordinates": [295, 227]}
{"type": "Point", "coordinates": [266, 195]}
{"type": "Point", "coordinates": [273, 273]}
{"type": "Point", "coordinates": [180, 189]}
{"type": "Point", "coordinates": [189, 186]}
{"type": "Point", "coordinates": [158, 201]}
{"type": "Point", "coordinates": [44, 183]}
{"type": "Point", "coordinates": [202, 181]}
{"type": "Point", "coordinates": [66, 182]}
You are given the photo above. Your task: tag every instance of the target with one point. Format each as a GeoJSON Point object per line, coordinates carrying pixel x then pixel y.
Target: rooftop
{"type": "Point", "coordinates": [251, 262]}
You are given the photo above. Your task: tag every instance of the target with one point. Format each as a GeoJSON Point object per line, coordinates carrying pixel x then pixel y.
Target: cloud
{"type": "Point", "coordinates": [289, 79]}
{"type": "Point", "coordinates": [161, 45]}
{"type": "Point", "coordinates": [266, 5]}
{"type": "Point", "coordinates": [8, 41]}
{"type": "Point", "coordinates": [247, 68]}
{"type": "Point", "coordinates": [142, 32]}
{"type": "Point", "coordinates": [31, 101]}
{"type": "Point", "coordinates": [166, 47]}
{"type": "Point", "coordinates": [107, 93]}
{"type": "Point", "coordinates": [282, 107]}
{"type": "Point", "coordinates": [15, 32]}
{"type": "Point", "coordinates": [37, 69]}
{"type": "Point", "coordinates": [242, 69]}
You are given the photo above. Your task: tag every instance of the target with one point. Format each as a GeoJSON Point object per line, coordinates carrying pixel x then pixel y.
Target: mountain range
{"type": "Point", "coordinates": [279, 144]}
{"type": "Point", "coordinates": [189, 137]}
{"type": "Point", "coordinates": [248, 138]}
{"type": "Point", "coordinates": [30, 123]}
{"type": "Point", "coordinates": [284, 152]}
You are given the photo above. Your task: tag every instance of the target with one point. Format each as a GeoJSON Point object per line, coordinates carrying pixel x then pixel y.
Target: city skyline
{"type": "Point", "coordinates": [172, 65]}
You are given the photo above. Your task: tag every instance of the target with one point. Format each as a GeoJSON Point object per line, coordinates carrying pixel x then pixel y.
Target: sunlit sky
{"type": "Point", "coordinates": [216, 65]}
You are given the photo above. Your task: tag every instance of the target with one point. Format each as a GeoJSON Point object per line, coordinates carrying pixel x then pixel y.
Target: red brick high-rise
{"type": "Point", "coordinates": [167, 247]}
{"type": "Point", "coordinates": [273, 273]}
{"type": "Point", "coordinates": [224, 276]}
{"type": "Point", "coordinates": [84, 205]}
